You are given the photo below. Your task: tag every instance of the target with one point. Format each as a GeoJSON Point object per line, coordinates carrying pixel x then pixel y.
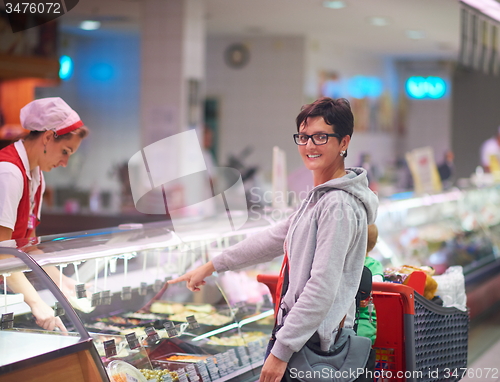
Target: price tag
{"type": "Point", "coordinates": [81, 292]}
{"type": "Point", "coordinates": [170, 328]}
{"type": "Point", "coordinates": [193, 324]}
{"type": "Point", "coordinates": [143, 289]}
{"type": "Point", "coordinates": [126, 293]}
{"type": "Point", "coordinates": [7, 321]}
{"type": "Point", "coordinates": [106, 297]}
{"type": "Point", "coordinates": [152, 334]}
{"type": "Point", "coordinates": [109, 348]}
{"type": "Point", "coordinates": [157, 285]}
{"type": "Point", "coordinates": [58, 309]}
{"type": "Point", "coordinates": [96, 299]}
{"type": "Point", "coordinates": [212, 369]}
{"type": "Point", "coordinates": [132, 340]}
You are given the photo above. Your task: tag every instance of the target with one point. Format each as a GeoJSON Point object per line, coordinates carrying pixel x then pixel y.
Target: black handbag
{"type": "Point", "coordinates": [349, 359]}
{"type": "Point", "coordinates": [345, 362]}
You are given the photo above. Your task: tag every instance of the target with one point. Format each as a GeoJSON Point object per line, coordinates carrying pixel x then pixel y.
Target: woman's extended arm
{"type": "Point", "coordinates": [261, 247]}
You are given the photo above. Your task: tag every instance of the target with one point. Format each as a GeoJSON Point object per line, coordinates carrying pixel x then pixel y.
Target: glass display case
{"type": "Point", "coordinates": [117, 301]}
{"type": "Point", "coordinates": [457, 227]}
{"type": "Point", "coordinates": [28, 353]}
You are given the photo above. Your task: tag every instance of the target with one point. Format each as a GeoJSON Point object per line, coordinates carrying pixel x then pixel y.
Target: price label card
{"type": "Point", "coordinates": [109, 348]}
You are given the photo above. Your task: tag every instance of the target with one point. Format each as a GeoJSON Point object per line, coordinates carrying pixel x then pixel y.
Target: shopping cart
{"type": "Point", "coordinates": [417, 340]}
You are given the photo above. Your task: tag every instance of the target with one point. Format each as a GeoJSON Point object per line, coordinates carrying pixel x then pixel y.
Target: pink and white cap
{"type": "Point", "coordinates": [50, 114]}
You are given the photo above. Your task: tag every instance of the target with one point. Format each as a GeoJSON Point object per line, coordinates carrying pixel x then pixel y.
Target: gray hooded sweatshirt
{"type": "Point", "coordinates": [326, 244]}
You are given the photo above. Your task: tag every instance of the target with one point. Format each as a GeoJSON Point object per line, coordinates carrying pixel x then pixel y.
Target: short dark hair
{"type": "Point", "coordinates": [335, 112]}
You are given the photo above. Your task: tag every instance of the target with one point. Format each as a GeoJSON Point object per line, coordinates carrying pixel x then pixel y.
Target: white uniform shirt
{"type": "Point", "coordinates": [489, 147]}
{"type": "Point", "coordinates": [12, 185]}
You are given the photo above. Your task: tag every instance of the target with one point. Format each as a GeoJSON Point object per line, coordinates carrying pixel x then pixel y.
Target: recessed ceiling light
{"type": "Point", "coordinates": [335, 4]}
{"type": "Point", "coordinates": [415, 34]}
{"type": "Point", "coordinates": [90, 25]}
{"type": "Point", "coordinates": [378, 21]}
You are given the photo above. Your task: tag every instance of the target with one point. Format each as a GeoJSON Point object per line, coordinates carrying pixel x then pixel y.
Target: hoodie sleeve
{"type": "Point", "coordinates": [259, 248]}
{"type": "Point", "coordinates": [337, 261]}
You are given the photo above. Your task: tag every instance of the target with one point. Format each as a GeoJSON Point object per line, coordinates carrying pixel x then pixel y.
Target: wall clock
{"type": "Point", "coordinates": [237, 55]}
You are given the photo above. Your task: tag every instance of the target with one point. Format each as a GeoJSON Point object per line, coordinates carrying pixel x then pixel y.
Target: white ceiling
{"type": "Point", "coordinates": [349, 26]}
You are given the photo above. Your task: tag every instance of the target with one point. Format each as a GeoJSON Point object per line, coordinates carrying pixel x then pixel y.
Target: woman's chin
{"type": "Point", "coordinates": [310, 165]}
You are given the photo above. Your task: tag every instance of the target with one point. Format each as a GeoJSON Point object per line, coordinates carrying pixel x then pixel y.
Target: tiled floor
{"type": "Point", "coordinates": [484, 349]}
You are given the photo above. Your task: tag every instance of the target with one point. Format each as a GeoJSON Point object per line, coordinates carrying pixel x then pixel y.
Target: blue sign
{"type": "Point", "coordinates": [428, 87]}
{"type": "Point", "coordinates": [65, 67]}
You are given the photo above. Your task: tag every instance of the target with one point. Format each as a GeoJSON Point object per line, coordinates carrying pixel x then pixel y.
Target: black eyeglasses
{"type": "Point", "coordinates": [318, 139]}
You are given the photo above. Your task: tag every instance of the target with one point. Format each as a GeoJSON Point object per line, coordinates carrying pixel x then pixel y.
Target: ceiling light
{"type": "Point", "coordinates": [490, 8]}
{"type": "Point", "coordinates": [90, 25]}
{"type": "Point", "coordinates": [415, 34]}
{"type": "Point", "coordinates": [378, 21]}
{"type": "Point", "coordinates": [337, 4]}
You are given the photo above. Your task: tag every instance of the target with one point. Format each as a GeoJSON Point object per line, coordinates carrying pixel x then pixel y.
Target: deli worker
{"type": "Point", "coordinates": [56, 132]}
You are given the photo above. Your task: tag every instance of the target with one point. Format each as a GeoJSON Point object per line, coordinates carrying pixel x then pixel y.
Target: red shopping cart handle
{"type": "Point", "coordinates": [271, 281]}
{"type": "Point", "coordinates": [407, 294]}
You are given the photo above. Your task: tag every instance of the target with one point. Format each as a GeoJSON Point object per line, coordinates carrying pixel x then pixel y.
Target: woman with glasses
{"type": "Point", "coordinates": [324, 241]}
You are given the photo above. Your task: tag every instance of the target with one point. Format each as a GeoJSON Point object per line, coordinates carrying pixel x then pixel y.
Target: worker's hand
{"type": "Point", "coordinates": [195, 278]}
{"type": "Point", "coordinates": [273, 369]}
{"type": "Point", "coordinates": [45, 318]}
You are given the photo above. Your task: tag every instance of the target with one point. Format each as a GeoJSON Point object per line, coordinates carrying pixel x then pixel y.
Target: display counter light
{"type": "Point", "coordinates": [235, 325]}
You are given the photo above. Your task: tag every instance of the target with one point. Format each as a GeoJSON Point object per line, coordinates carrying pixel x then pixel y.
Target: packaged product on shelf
{"type": "Point", "coordinates": [120, 371]}
{"type": "Point", "coordinates": [401, 275]}
{"type": "Point", "coordinates": [451, 288]}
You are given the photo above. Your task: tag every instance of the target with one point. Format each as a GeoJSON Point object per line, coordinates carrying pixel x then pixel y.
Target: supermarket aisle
{"type": "Point", "coordinates": [487, 367]}
{"type": "Point", "coordinates": [484, 349]}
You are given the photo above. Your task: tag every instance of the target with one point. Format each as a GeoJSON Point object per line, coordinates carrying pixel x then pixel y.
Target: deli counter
{"type": "Point", "coordinates": [126, 317]}
{"type": "Point", "coordinates": [453, 228]}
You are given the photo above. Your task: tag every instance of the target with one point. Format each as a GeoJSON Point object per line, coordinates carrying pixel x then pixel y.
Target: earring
{"type": "Point", "coordinates": [342, 153]}
{"type": "Point", "coordinates": [45, 149]}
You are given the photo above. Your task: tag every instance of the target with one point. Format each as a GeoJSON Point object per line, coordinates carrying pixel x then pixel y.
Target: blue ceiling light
{"type": "Point", "coordinates": [65, 67]}
{"type": "Point", "coordinates": [429, 87]}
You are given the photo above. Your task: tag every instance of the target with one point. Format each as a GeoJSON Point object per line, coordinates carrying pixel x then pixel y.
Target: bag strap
{"type": "Point", "coordinates": [341, 325]}
{"type": "Point", "coordinates": [281, 289]}
{"type": "Point", "coordinates": [364, 292]}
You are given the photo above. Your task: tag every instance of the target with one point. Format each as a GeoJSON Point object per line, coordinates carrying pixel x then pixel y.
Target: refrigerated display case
{"type": "Point", "coordinates": [30, 354]}
{"type": "Point", "coordinates": [129, 317]}
{"type": "Point", "coordinates": [456, 227]}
